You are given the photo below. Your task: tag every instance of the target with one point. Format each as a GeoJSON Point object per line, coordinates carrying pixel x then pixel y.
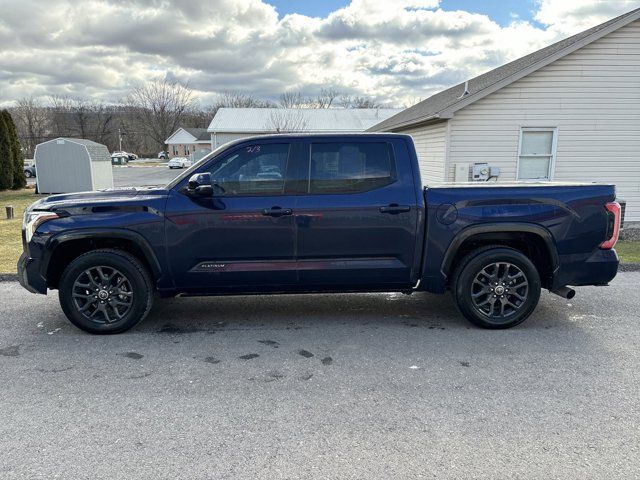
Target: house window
{"type": "Point", "coordinates": [175, 150]}
{"type": "Point", "coordinates": [537, 153]}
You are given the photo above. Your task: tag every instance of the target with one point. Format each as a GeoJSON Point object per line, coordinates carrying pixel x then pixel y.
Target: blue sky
{"type": "Point", "coordinates": [501, 12]}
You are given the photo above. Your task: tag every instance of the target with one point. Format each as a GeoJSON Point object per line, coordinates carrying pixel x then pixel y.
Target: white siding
{"type": "Point", "coordinates": [218, 139]}
{"type": "Point", "coordinates": [102, 174]}
{"type": "Point", "coordinates": [430, 147]}
{"type": "Point", "coordinates": [592, 96]}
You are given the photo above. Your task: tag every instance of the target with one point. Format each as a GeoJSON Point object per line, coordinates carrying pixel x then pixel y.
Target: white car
{"type": "Point", "coordinates": [179, 162]}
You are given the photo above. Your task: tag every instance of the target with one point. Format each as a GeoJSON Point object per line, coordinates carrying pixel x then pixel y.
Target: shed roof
{"type": "Point", "coordinates": [260, 120]}
{"type": "Point", "coordinates": [445, 103]}
{"type": "Point", "coordinates": [97, 151]}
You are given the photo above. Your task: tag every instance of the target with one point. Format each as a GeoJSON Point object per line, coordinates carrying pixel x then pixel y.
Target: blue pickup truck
{"type": "Point", "coordinates": [318, 213]}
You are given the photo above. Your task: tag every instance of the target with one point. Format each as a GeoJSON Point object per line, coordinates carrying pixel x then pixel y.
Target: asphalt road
{"type": "Point", "coordinates": [346, 386]}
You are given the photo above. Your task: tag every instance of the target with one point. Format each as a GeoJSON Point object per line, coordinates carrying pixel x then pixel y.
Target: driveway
{"type": "Point", "coordinates": [320, 386]}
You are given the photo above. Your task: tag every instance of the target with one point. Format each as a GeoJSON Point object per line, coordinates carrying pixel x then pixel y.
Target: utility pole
{"type": "Point", "coordinates": [120, 138]}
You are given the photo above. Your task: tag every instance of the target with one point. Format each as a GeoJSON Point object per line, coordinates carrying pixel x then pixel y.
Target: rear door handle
{"type": "Point", "coordinates": [395, 208]}
{"type": "Point", "coordinates": [277, 212]}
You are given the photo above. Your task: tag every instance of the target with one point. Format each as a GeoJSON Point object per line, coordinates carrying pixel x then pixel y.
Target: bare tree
{"type": "Point", "coordinates": [31, 123]}
{"type": "Point", "coordinates": [348, 101]}
{"type": "Point", "coordinates": [234, 99]}
{"type": "Point", "coordinates": [291, 99]}
{"type": "Point", "coordinates": [160, 107]}
{"type": "Point", "coordinates": [287, 121]}
{"type": "Point", "coordinates": [326, 98]}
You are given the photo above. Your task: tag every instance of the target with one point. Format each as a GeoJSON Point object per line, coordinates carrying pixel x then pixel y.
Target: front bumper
{"type": "Point", "coordinates": [29, 274]}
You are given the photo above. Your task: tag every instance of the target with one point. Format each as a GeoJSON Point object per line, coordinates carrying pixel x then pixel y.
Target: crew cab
{"type": "Point", "coordinates": [318, 213]}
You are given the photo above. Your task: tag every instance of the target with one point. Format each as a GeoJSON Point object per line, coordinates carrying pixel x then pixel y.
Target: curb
{"type": "Point", "coordinates": [8, 277]}
{"type": "Point", "coordinates": [629, 267]}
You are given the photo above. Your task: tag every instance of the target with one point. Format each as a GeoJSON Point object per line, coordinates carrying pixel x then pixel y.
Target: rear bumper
{"type": "Point", "coordinates": [29, 275]}
{"type": "Point", "coordinates": [598, 269]}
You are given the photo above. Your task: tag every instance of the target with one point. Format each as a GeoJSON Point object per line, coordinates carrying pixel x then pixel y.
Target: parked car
{"type": "Point", "coordinates": [162, 155]}
{"type": "Point", "coordinates": [334, 213]}
{"type": "Point", "coordinates": [30, 171]}
{"type": "Point", "coordinates": [179, 162]}
{"type": "Point", "coordinates": [132, 156]}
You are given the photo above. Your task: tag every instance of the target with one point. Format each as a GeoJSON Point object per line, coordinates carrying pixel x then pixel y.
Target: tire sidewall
{"type": "Point", "coordinates": [139, 285]}
{"type": "Point", "coordinates": [473, 267]}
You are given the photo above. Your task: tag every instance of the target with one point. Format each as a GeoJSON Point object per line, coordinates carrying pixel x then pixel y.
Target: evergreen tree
{"type": "Point", "coordinates": [6, 157]}
{"type": "Point", "coordinates": [19, 180]}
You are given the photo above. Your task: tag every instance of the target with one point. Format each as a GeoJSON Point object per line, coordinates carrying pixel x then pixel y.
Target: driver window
{"type": "Point", "coordinates": [253, 170]}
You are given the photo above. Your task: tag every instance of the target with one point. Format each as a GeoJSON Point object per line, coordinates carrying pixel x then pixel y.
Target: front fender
{"type": "Point", "coordinates": [100, 233]}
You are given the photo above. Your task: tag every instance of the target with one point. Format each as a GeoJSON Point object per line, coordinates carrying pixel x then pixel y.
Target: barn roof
{"type": "Point", "coordinates": [442, 105]}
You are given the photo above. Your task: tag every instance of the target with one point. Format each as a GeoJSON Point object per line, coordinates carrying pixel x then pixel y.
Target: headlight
{"type": "Point", "coordinates": [33, 219]}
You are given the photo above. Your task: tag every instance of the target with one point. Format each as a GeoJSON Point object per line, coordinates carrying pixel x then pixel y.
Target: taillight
{"type": "Point", "coordinates": [613, 225]}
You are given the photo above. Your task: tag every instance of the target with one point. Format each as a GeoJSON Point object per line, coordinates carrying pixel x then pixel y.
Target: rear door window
{"type": "Point", "coordinates": [350, 167]}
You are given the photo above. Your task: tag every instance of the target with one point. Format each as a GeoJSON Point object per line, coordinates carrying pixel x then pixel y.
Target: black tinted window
{"type": "Point", "coordinates": [350, 167]}
{"type": "Point", "coordinates": [253, 170]}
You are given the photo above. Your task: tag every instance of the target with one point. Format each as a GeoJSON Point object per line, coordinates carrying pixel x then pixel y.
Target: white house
{"type": "Point", "coordinates": [570, 111]}
{"type": "Point", "coordinates": [234, 123]}
{"type": "Point", "coordinates": [184, 142]}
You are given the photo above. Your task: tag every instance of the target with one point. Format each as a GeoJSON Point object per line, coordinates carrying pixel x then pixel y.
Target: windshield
{"type": "Point", "coordinates": [189, 171]}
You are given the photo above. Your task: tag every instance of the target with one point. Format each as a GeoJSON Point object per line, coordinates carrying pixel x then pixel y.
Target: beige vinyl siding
{"type": "Point", "coordinates": [430, 142]}
{"type": "Point", "coordinates": [592, 96]}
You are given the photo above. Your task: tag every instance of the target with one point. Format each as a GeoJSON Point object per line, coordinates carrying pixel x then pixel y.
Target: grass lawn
{"type": "Point", "coordinates": [629, 252]}
{"type": "Point", "coordinates": [10, 230]}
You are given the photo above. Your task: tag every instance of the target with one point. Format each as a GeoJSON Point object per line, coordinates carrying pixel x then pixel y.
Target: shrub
{"type": "Point", "coordinates": [6, 156]}
{"type": "Point", "coordinates": [18, 179]}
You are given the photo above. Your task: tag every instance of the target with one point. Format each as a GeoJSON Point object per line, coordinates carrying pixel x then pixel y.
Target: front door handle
{"type": "Point", "coordinates": [395, 208]}
{"type": "Point", "coordinates": [277, 211]}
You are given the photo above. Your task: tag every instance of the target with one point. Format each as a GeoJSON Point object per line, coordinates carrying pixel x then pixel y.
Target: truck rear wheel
{"type": "Point", "coordinates": [105, 291]}
{"type": "Point", "coordinates": [496, 287]}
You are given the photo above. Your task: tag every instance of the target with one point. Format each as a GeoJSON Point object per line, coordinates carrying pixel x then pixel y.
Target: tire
{"type": "Point", "coordinates": [496, 287]}
{"type": "Point", "coordinates": [124, 303]}
{"type": "Point", "coordinates": [27, 174]}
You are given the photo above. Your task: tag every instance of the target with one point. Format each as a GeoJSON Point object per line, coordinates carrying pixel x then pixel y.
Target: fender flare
{"type": "Point", "coordinates": [502, 227]}
{"type": "Point", "coordinates": [100, 233]}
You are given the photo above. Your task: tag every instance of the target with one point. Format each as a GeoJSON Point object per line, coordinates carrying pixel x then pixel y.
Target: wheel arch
{"type": "Point", "coordinates": [66, 246]}
{"type": "Point", "coordinates": [535, 241]}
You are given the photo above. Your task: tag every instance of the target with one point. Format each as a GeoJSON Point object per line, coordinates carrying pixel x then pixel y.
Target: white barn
{"type": "Point", "coordinates": [230, 124]}
{"type": "Point", "coordinates": [568, 112]}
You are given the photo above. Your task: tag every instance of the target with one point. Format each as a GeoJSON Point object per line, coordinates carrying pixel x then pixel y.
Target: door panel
{"type": "Point", "coordinates": [363, 238]}
{"type": "Point", "coordinates": [241, 239]}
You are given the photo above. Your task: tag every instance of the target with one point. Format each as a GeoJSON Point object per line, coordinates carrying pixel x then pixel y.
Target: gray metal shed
{"type": "Point", "coordinates": [72, 165]}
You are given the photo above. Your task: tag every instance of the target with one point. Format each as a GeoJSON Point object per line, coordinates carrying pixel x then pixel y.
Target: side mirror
{"type": "Point", "coordinates": [200, 185]}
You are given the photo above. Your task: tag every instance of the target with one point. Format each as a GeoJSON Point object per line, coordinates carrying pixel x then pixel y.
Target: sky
{"type": "Point", "coordinates": [395, 51]}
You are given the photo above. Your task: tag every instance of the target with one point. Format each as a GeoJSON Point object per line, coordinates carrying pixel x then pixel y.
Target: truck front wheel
{"type": "Point", "coordinates": [105, 291]}
{"type": "Point", "coordinates": [496, 287]}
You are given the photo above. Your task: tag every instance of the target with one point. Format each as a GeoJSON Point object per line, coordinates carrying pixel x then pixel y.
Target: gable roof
{"type": "Point", "coordinates": [198, 134]}
{"type": "Point", "coordinates": [442, 105]}
{"type": "Point", "coordinates": [261, 120]}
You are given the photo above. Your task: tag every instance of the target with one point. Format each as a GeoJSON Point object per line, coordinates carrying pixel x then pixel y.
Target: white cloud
{"type": "Point", "coordinates": [573, 16]}
{"type": "Point", "coordinates": [393, 50]}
